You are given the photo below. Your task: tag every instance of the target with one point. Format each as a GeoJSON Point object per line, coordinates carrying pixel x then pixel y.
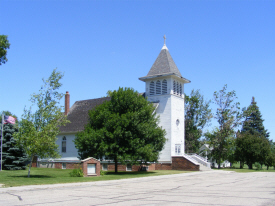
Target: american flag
{"type": "Point", "coordinates": [9, 119]}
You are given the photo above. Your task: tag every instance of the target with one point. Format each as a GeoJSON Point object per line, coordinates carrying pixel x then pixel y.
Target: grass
{"type": "Point", "coordinates": [41, 176]}
{"type": "Point", "coordinates": [236, 168]}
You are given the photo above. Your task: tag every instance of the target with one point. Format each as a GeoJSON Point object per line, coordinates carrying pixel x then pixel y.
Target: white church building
{"type": "Point", "coordinates": [164, 86]}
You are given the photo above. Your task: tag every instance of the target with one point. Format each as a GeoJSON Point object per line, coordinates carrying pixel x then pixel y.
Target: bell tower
{"type": "Point", "coordinates": [164, 86]}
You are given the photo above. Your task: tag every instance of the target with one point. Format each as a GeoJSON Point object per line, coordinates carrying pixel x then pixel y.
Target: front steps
{"type": "Point", "coordinates": [204, 164]}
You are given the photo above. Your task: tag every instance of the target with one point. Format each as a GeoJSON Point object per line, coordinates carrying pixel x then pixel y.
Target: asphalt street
{"type": "Point", "coordinates": [195, 189]}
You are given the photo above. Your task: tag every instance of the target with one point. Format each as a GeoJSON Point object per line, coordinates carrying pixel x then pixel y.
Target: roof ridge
{"type": "Point", "coordinates": [92, 99]}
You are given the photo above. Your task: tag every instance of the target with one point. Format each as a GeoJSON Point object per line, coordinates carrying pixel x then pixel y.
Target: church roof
{"type": "Point", "coordinates": [164, 64]}
{"type": "Point", "coordinates": [78, 114]}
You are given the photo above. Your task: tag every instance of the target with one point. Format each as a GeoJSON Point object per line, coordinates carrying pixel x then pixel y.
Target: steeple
{"type": "Point", "coordinates": [164, 65]}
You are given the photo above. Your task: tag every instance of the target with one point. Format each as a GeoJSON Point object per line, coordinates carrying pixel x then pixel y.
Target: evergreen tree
{"type": "Point", "coordinates": [253, 122]}
{"type": "Point", "coordinates": [14, 157]}
{"type": "Point", "coordinates": [252, 145]}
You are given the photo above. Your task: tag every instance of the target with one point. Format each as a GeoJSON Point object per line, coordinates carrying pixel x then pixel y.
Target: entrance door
{"type": "Point", "coordinates": [91, 169]}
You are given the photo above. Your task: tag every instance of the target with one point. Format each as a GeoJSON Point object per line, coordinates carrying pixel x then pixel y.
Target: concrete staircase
{"type": "Point", "coordinates": [204, 164]}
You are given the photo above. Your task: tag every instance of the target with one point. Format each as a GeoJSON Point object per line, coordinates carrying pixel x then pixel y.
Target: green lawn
{"type": "Point", "coordinates": [236, 168]}
{"type": "Point", "coordinates": [41, 176]}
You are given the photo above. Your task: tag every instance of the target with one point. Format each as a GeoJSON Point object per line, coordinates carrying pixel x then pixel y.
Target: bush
{"type": "Point", "coordinates": [258, 166]}
{"type": "Point", "coordinates": [102, 173]}
{"type": "Point", "coordinates": [77, 173]}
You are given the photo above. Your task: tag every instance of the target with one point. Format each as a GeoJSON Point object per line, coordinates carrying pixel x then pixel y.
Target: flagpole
{"type": "Point", "coordinates": [2, 138]}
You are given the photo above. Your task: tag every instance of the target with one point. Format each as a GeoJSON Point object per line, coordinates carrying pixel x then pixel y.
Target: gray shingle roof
{"type": "Point", "coordinates": [164, 64]}
{"type": "Point", "coordinates": [78, 114]}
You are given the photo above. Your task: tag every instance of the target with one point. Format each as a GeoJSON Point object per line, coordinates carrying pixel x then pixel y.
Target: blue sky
{"type": "Point", "coordinates": [104, 45]}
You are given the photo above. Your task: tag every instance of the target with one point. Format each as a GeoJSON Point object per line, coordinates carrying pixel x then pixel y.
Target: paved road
{"type": "Point", "coordinates": [195, 189]}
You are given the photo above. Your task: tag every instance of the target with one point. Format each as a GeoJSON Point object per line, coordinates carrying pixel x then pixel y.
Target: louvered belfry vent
{"type": "Point", "coordinates": [164, 86]}
{"type": "Point", "coordinates": [158, 87]}
{"type": "Point", "coordinates": [152, 88]}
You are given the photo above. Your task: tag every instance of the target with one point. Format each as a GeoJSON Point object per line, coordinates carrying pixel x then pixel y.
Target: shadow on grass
{"type": "Point", "coordinates": [32, 176]}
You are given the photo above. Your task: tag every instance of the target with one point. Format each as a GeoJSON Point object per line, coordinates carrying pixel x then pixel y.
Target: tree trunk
{"type": "Point", "coordinates": [219, 162]}
{"type": "Point", "coordinates": [115, 164]}
{"type": "Point", "coordinates": [250, 166]}
{"type": "Point", "coordinates": [267, 167]}
{"type": "Point", "coordinates": [29, 172]}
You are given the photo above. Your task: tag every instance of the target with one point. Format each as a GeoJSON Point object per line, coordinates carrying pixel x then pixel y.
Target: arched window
{"type": "Point", "coordinates": [164, 86]}
{"type": "Point", "coordinates": [158, 87]}
{"type": "Point", "coordinates": [152, 88]}
{"type": "Point", "coordinates": [64, 144]}
{"type": "Point", "coordinates": [180, 89]}
{"type": "Point", "coordinates": [174, 87]}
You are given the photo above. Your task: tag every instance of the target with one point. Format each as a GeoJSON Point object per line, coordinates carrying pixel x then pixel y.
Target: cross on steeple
{"type": "Point", "coordinates": [164, 39]}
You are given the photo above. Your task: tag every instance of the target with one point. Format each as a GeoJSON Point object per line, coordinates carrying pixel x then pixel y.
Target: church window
{"type": "Point", "coordinates": [164, 86]}
{"type": "Point", "coordinates": [174, 87]}
{"type": "Point", "coordinates": [158, 87]}
{"type": "Point", "coordinates": [152, 88]}
{"type": "Point", "coordinates": [180, 89]}
{"type": "Point", "coordinates": [177, 149]}
{"type": "Point", "coordinates": [64, 144]}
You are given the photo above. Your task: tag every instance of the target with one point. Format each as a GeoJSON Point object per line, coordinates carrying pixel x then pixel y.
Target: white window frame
{"type": "Point", "coordinates": [129, 167]}
{"type": "Point", "coordinates": [105, 167]}
{"type": "Point", "coordinates": [64, 166]}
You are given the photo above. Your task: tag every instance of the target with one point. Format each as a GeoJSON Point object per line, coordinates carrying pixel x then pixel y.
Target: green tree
{"type": "Point", "coordinates": [250, 148]}
{"type": "Point", "coordinates": [253, 122]}
{"type": "Point", "coordinates": [38, 130]}
{"type": "Point", "coordinates": [252, 128]}
{"type": "Point", "coordinates": [270, 160]}
{"type": "Point", "coordinates": [228, 115]}
{"type": "Point", "coordinates": [124, 129]}
{"type": "Point", "coordinates": [4, 45]}
{"type": "Point", "coordinates": [14, 157]}
{"type": "Point", "coordinates": [197, 115]}
{"type": "Point", "coordinates": [227, 153]}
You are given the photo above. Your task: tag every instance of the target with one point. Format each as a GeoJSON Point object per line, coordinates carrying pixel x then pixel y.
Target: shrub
{"type": "Point", "coordinates": [258, 166]}
{"type": "Point", "coordinates": [102, 173]}
{"type": "Point", "coordinates": [77, 173]}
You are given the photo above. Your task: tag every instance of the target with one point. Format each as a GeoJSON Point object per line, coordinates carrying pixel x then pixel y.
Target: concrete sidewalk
{"type": "Point", "coordinates": [197, 188]}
